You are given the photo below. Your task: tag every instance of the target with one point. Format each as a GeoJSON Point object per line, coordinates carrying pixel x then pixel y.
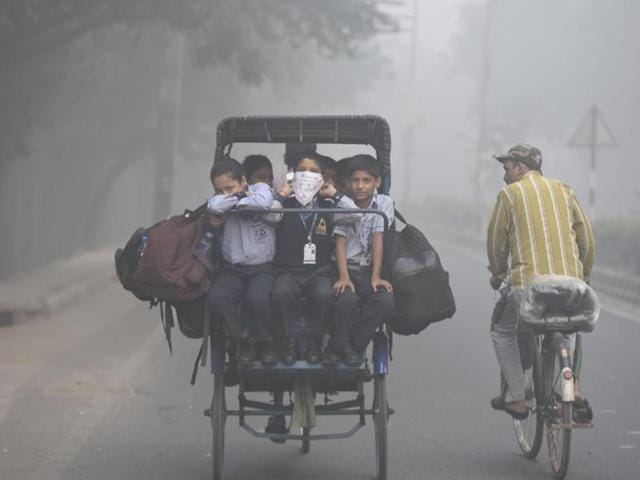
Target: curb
{"type": "Point", "coordinates": [55, 286]}
{"type": "Point", "coordinates": [60, 299]}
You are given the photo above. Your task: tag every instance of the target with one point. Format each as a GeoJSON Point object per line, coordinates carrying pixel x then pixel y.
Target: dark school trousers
{"type": "Point", "coordinates": [315, 285]}
{"type": "Point", "coordinates": [360, 319]}
{"type": "Point", "coordinates": [241, 298]}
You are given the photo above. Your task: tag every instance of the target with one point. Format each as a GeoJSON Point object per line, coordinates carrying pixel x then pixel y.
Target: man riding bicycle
{"type": "Point", "coordinates": [540, 226]}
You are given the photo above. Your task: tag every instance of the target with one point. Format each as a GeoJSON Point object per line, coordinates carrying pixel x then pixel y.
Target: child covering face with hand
{"type": "Point", "coordinates": [247, 244]}
{"type": "Point", "coordinates": [304, 255]}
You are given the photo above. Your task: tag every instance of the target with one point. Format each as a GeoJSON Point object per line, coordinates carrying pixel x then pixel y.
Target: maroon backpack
{"type": "Point", "coordinates": [167, 268]}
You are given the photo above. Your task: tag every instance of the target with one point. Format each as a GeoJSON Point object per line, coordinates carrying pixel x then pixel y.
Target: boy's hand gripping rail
{"type": "Point", "coordinates": [362, 211]}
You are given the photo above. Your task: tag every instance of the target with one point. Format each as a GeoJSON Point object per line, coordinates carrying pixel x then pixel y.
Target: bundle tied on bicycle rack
{"type": "Point", "coordinates": [559, 303]}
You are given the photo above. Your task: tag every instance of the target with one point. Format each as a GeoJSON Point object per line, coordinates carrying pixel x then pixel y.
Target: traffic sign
{"type": "Point", "coordinates": [593, 133]}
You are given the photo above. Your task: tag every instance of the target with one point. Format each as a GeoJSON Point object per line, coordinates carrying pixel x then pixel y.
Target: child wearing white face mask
{"type": "Point", "coordinates": [304, 246]}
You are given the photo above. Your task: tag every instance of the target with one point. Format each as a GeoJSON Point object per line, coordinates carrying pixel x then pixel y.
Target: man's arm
{"type": "Point", "coordinates": [584, 236]}
{"type": "Point", "coordinates": [498, 240]}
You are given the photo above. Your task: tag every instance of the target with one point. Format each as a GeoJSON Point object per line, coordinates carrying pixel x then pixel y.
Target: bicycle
{"type": "Point", "coordinates": [551, 353]}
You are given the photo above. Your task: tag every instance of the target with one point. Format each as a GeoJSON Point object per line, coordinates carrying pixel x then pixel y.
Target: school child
{"type": "Point", "coordinates": [242, 289]}
{"type": "Point", "coordinates": [303, 255]}
{"type": "Point", "coordinates": [329, 169]}
{"type": "Point", "coordinates": [359, 249]}
{"type": "Point", "coordinates": [342, 176]}
{"type": "Point", "coordinates": [258, 168]}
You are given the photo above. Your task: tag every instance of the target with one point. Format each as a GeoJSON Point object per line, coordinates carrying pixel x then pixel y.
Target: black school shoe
{"type": "Point", "coordinates": [313, 352]}
{"type": "Point", "coordinates": [269, 353]}
{"type": "Point", "coordinates": [331, 357]}
{"type": "Point", "coordinates": [277, 424]}
{"type": "Point", "coordinates": [247, 353]}
{"type": "Point", "coordinates": [288, 354]}
{"type": "Point", "coordinates": [352, 355]}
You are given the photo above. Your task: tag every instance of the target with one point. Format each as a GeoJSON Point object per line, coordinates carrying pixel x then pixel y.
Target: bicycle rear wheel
{"type": "Point", "coordinates": [529, 431]}
{"type": "Point", "coordinates": [559, 443]}
{"type": "Point", "coordinates": [218, 422]}
{"type": "Point", "coordinates": [559, 418]}
{"type": "Point", "coordinates": [380, 423]}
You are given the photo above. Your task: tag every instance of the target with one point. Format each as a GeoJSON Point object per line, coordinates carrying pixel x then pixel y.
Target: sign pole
{"type": "Point", "coordinates": [590, 136]}
{"type": "Point", "coordinates": [592, 172]}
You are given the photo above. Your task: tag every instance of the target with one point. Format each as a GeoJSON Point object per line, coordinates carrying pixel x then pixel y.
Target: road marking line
{"type": "Point", "coordinates": [65, 450]}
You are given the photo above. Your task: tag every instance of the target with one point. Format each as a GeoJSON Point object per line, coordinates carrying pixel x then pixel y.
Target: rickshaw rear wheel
{"type": "Point", "coordinates": [380, 423]}
{"type": "Point", "coordinates": [218, 422]}
{"type": "Point", "coordinates": [306, 444]}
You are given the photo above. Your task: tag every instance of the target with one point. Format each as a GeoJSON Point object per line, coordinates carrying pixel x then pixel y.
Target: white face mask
{"type": "Point", "coordinates": [306, 185]}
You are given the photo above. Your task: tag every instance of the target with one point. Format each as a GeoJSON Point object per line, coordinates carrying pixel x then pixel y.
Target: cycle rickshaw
{"type": "Point", "coordinates": [322, 380]}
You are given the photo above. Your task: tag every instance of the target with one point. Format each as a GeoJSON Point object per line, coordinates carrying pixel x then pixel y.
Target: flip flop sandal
{"type": "Point", "coordinates": [515, 414]}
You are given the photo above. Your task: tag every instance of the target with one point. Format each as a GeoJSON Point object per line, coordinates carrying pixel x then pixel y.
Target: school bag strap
{"type": "Point", "coordinates": [399, 216]}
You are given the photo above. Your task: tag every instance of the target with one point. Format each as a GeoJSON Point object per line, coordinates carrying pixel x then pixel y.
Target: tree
{"type": "Point", "coordinates": [35, 37]}
{"type": "Point", "coordinates": [549, 62]}
{"type": "Point", "coordinates": [79, 84]}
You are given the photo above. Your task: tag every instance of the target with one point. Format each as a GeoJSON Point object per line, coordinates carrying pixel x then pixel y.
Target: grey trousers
{"type": "Point", "coordinates": [504, 334]}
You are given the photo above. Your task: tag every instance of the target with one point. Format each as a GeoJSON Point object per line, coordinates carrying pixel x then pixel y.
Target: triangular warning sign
{"type": "Point", "coordinates": [593, 131]}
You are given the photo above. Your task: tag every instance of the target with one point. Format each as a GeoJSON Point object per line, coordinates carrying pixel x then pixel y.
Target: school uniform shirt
{"type": "Point", "coordinates": [293, 234]}
{"type": "Point", "coordinates": [359, 233]}
{"type": "Point", "coordinates": [246, 240]}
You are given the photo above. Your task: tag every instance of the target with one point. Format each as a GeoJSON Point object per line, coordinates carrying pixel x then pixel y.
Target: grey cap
{"type": "Point", "coordinates": [524, 153]}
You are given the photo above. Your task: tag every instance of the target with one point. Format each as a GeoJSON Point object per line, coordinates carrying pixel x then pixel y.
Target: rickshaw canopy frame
{"type": "Point", "coordinates": [370, 130]}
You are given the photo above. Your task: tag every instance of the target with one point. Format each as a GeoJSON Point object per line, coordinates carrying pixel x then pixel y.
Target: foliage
{"type": "Point", "coordinates": [617, 239]}
{"type": "Point", "coordinates": [548, 62]}
{"type": "Point", "coordinates": [618, 243]}
{"type": "Point", "coordinates": [245, 35]}
{"type": "Point", "coordinates": [544, 55]}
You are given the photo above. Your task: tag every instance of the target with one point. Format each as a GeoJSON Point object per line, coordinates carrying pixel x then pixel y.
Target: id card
{"type": "Point", "coordinates": [309, 257]}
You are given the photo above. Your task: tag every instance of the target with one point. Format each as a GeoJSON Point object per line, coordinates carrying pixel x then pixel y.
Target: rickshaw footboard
{"type": "Point", "coordinates": [293, 436]}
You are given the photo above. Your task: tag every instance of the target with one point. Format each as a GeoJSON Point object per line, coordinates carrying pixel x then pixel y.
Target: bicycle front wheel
{"type": "Point", "coordinates": [529, 431]}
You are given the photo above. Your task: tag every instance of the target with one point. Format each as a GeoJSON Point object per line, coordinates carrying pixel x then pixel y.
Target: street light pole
{"type": "Point", "coordinates": [168, 126]}
{"type": "Point", "coordinates": [409, 150]}
{"type": "Point", "coordinates": [481, 143]}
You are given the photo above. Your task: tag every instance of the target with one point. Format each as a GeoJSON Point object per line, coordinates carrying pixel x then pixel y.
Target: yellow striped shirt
{"type": "Point", "coordinates": [539, 223]}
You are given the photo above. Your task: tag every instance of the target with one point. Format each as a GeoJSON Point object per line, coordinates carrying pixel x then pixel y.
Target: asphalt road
{"type": "Point", "coordinates": [92, 393]}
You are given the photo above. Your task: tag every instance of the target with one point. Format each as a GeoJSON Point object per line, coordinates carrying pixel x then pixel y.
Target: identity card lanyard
{"type": "Point", "coordinates": [309, 255]}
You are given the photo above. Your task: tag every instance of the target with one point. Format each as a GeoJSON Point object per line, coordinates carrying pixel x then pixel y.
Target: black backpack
{"type": "Point", "coordinates": [420, 283]}
{"type": "Point", "coordinates": [127, 259]}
